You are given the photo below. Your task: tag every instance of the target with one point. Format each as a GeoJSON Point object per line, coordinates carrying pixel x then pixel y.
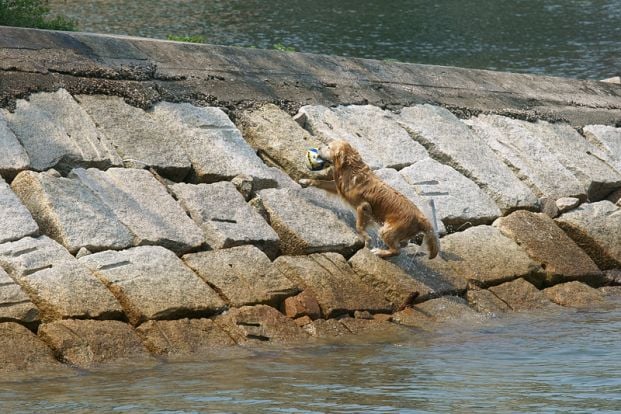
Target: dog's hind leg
{"type": "Point", "coordinates": [391, 239]}
{"type": "Point", "coordinates": [363, 217]}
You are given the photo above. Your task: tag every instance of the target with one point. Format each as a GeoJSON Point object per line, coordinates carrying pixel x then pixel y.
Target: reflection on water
{"type": "Point", "coordinates": [576, 38]}
{"type": "Point", "coordinates": [524, 363]}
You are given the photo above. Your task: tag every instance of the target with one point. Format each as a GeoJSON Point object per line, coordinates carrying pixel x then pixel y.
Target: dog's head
{"type": "Point", "coordinates": [336, 151]}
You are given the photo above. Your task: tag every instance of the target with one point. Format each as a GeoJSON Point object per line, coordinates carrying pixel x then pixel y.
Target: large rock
{"type": "Point", "coordinates": [546, 243]}
{"type": "Point", "coordinates": [520, 295]}
{"type": "Point", "coordinates": [58, 284]}
{"type": "Point", "coordinates": [87, 343]}
{"type": "Point", "coordinates": [382, 143]}
{"type": "Point", "coordinates": [451, 142]}
{"type": "Point", "coordinates": [140, 139]}
{"type": "Point", "coordinates": [14, 157]}
{"type": "Point", "coordinates": [590, 165]}
{"type": "Point", "coordinates": [227, 221]}
{"type": "Point", "coordinates": [575, 295]}
{"type": "Point", "coordinates": [519, 146]}
{"type": "Point", "coordinates": [213, 144]}
{"type": "Point", "coordinates": [153, 283]}
{"type": "Point", "coordinates": [15, 220]}
{"type": "Point", "coordinates": [606, 138]}
{"type": "Point", "coordinates": [483, 256]}
{"type": "Point", "coordinates": [70, 213]}
{"type": "Point", "coordinates": [242, 275]}
{"type": "Point", "coordinates": [143, 205]}
{"type": "Point", "coordinates": [278, 139]}
{"type": "Point", "coordinates": [21, 350]}
{"type": "Point", "coordinates": [304, 227]}
{"type": "Point", "coordinates": [56, 132]}
{"type": "Point", "coordinates": [183, 337]}
{"type": "Point", "coordinates": [484, 301]}
{"type": "Point", "coordinates": [15, 305]}
{"type": "Point", "coordinates": [333, 283]}
{"type": "Point", "coordinates": [596, 228]}
{"type": "Point", "coordinates": [429, 314]}
{"type": "Point", "coordinates": [260, 323]}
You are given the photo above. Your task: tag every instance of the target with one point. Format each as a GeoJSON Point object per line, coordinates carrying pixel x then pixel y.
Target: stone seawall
{"type": "Point", "coordinates": [150, 205]}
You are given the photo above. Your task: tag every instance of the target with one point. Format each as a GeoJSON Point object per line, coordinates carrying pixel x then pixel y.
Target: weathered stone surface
{"type": "Point", "coordinates": [213, 144]}
{"type": "Point", "coordinates": [565, 204]}
{"type": "Point", "coordinates": [15, 220]}
{"type": "Point", "coordinates": [326, 328]}
{"type": "Point", "coordinates": [70, 213]}
{"type": "Point", "coordinates": [303, 304]}
{"type": "Point", "coordinates": [333, 283]}
{"type": "Point", "coordinates": [451, 142]}
{"type": "Point", "coordinates": [153, 283]}
{"type": "Point", "coordinates": [21, 350]}
{"type": "Point", "coordinates": [520, 295]}
{"type": "Point", "coordinates": [483, 256]}
{"type": "Point", "coordinates": [144, 206]}
{"type": "Point", "coordinates": [260, 323]}
{"type": "Point", "coordinates": [596, 228]}
{"type": "Point", "coordinates": [484, 301]}
{"type": "Point", "coordinates": [388, 279]}
{"type": "Point", "coordinates": [615, 197]}
{"type": "Point", "coordinates": [14, 157]}
{"type": "Point", "coordinates": [458, 200]}
{"type": "Point", "coordinates": [575, 295]}
{"type": "Point", "coordinates": [427, 315]}
{"type": "Point", "coordinates": [15, 305]}
{"type": "Point", "coordinates": [183, 337]}
{"type": "Point", "coordinates": [56, 132]}
{"type": "Point", "coordinates": [242, 275]}
{"type": "Point", "coordinates": [548, 207]}
{"type": "Point", "coordinates": [57, 283]}
{"type": "Point", "coordinates": [87, 343]}
{"type": "Point", "coordinates": [227, 221]}
{"type": "Point", "coordinates": [590, 165]}
{"type": "Point", "coordinates": [517, 143]}
{"type": "Point", "coordinates": [140, 139]}
{"type": "Point", "coordinates": [382, 143]}
{"type": "Point", "coordinates": [561, 259]}
{"type": "Point", "coordinates": [606, 138]}
{"type": "Point", "coordinates": [304, 227]}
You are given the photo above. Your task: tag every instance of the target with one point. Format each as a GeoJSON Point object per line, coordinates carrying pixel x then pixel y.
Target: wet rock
{"type": "Point", "coordinates": [574, 295]}
{"type": "Point", "coordinates": [303, 304]}
{"type": "Point", "coordinates": [139, 138]}
{"type": "Point", "coordinates": [15, 305]}
{"type": "Point", "coordinates": [333, 283]}
{"type": "Point", "coordinates": [374, 330]}
{"type": "Point", "coordinates": [278, 139]}
{"type": "Point", "coordinates": [87, 343]}
{"type": "Point", "coordinates": [388, 279]}
{"type": "Point", "coordinates": [483, 256]}
{"type": "Point", "coordinates": [213, 144]}
{"type": "Point", "coordinates": [183, 337]}
{"type": "Point", "coordinates": [58, 284]}
{"type": "Point", "coordinates": [517, 143]}
{"type": "Point", "coordinates": [153, 283]}
{"type": "Point", "coordinates": [608, 139]}
{"type": "Point", "coordinates": [451, 142]}
{"type": "Point", "coordinates": [382, 143]}
{"type": "Point", "coordinates": [260, 323]}
{"type": "Point", "coordinates": [15, 220]}
{"type": "Point", "coordinates": [144, 206]}
{"type": "Point", "coordinates": [56, 132]}
{"type": "Point", "coordinates": [242, 275]}
{"type": "Point", "coordinates": [327, 328]}
{"type": "Point", "coordinates": [429, 314]}
{"type": "Point", "coordinates": [70, 213]}
{"type": "Point", "coordinates": [21, 350]}
{"type": "Point", "coordinates": [596, 228]}
{"type": "Point", "coordinates": [562, 260]}
{"type": "Point", "coordinates": [227, 221]}
{"type": "Point", "coordinates": [520, 295]}
{"type": "Point", "coordinates": [565, 204]}
{"type": "Point", "coordinates": [484, 301]}
{"type": "Point", "coordinates": [14, 157]}
{"type": "Point", "coordinates": [304, 227]}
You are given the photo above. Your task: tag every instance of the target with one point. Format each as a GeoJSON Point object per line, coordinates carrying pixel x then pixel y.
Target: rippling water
{"type": "Point", "coordinates": [567, 362]}
{"type": "Point", "coordinates": [575, 38]}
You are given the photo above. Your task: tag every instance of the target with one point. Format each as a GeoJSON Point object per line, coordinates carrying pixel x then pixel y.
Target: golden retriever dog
{"type": "Point", "coordinates": [375, 200]}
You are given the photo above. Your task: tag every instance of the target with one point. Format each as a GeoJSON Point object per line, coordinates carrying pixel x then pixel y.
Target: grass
{"type": "Point", "coordinates": [32, 13]}
{"type": "Point", "coordinates": [190, 39]}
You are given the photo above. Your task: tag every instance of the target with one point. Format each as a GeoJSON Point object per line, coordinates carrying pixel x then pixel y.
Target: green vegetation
{"type": "Point", "coordinates": [190, 39]}
{"type": "Point", "coordinates": [283, 48]}
{"type": "Point", "coordinates": [32, 13]}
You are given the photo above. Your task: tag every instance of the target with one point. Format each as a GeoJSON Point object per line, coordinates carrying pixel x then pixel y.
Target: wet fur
{"type": "Point", "coordinates": [375, 200]}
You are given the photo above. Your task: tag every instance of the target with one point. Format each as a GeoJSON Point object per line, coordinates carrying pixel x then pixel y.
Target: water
{"type": "Point", "coordinates": [566, 362]}
{"type": "Point", "coordinates": [573, 38]}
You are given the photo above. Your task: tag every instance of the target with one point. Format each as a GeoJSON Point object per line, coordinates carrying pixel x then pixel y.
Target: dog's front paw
{"type": "Point", "coordinates": [304, 182]}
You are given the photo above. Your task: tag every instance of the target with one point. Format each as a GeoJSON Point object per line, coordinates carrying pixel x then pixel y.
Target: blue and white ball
{"type": "Point", "coordinates": [313, 161]}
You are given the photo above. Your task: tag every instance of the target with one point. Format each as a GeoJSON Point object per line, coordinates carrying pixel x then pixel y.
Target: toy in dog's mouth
{"type": "Point", "coordinates": [314, 162]}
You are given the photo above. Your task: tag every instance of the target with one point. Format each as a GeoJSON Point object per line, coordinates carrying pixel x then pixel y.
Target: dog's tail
{"type": "Point", "coordinates": [431, 237]}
